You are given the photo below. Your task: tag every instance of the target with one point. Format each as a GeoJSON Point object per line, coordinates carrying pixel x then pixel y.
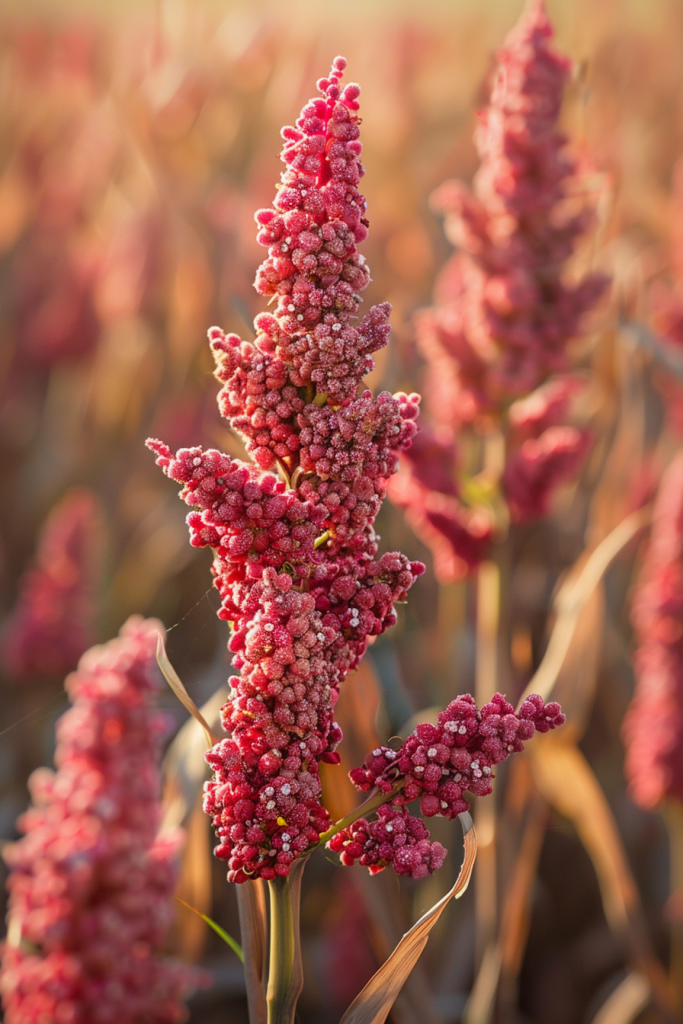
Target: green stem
{"type": "Point", "coordinates": [251, 905]}
{"type": "Point", "coordinates": [368, 807]}
{"type": "Point", "coordinates": [285, 968]}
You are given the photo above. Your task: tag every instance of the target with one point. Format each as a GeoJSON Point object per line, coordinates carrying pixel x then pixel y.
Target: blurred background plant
{"type": "Point", "coordinates": [134, 145]}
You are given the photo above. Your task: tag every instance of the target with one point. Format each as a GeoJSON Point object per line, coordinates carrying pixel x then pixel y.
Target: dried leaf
{"type": "Point", "coordinates": [174, 681]}
{"type": "Point", "coordinates": [194, 885]}
{"type": "Point", "coordinates": [415, 1003]}
{"type": "Point", "coordinates": [577, 678]}
{"type": "Point", "coordinates": [184, 766]}
{"type": "Point", "coordinates": [574, 612]}
{"type": "Point", "coordinates": [251, 904]}
{"type": "Point", "coordinates": [357, 712]}
{"type": "Point", "coordinates": [626, 1001]}
{"type": "Point", "coordinates": [372, 1005]}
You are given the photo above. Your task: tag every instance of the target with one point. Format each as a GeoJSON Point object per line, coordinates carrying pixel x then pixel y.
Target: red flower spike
{"type": "Point", "coordinates": [653, 725]}
{"type": "Point", "coordinates": [91, 882]}
{"type": "Point", "coordinates": [506, 314]}
{"type": "Point", "coordinates": [295, 553]}
{"type": "Point", "coordinates": [396, 838]}
{"type": "Point", "coordinates": [54, 619]}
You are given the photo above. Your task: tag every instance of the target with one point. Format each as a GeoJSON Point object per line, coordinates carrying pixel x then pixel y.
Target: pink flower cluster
{"type": "Point", "coordinates": [396, 837]}
{"type": "Point", "coordinates": [437, 764]}
{"type": "Point", "coordinates": [54, 619]}
{"type": "Point", "coordinates": [91, 881]}
{"type": "Point", "coordinates": [505, 313]}
{"type": "Point", "coordinates": [295, 553]}
{"type": "Point", "coordinates": [653, 726]}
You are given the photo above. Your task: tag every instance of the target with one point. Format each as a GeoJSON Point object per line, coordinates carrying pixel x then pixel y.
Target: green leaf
{"type": "Point", "coordinates": [228, 939]}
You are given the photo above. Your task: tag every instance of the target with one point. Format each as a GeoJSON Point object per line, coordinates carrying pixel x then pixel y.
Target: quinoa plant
{"type": "Point", "coordinates": [296, 556]}
{"type": "Point", "coordinates": [497, 340]}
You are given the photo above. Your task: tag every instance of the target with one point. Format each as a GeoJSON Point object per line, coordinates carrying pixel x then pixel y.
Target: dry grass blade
{"type": "Point", "coordinates": [495, 986]}
{"type": "Point", "coordinates": [251, 904]}
{"type": "Point", "coordinates": [573, 597]}
{"type": "Point", "coordinates": [194, 885]}
{"type": "Point", "coordinates": [372, 1005]}
{"type": "Point", "coordinates": [174, 681]}
{"type": "Point", "coordinates": [577, 676]}
{"type": "Point", "coordinates": [628, 1000]}
{"type": "Point", "coordinates": [357, 712]}
{"type": "Point", "coordinates": [566, 780]}
{"type": "Point", "coordinates": [184, 767]}
{"type": "Point", "coordinates": [415, 1003]}
{"type": "Point", "coordinates": [480, 1005]}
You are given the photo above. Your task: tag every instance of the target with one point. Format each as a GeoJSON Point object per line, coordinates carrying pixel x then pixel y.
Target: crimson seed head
{"type": "Point", "coordinates": [653, 726]}
{"type": "Point", "coordinates": [438, 764]}
{"type": "Point", "coordinates": [91, 882]}
{"type": "Point", "coordinates": [53, 621]}
{"type": "Point", "coordinates": [396, 838]}
{"type": "Point", "coordinates": [496, 343]}
{"type": "Point", "coordinates": [295, 553]}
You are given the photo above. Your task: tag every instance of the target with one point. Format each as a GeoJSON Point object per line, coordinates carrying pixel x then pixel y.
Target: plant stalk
{"type": "Point", "coordinates": [367, 807]}
{"type": "Point", "coordinates": [285, 967]}
{"type": "Point", "coordinates": [251, 905]}
{"type": "Point", "coordinates": [673, 815]}
{"type": "Point", "coordinates": [488, 619]}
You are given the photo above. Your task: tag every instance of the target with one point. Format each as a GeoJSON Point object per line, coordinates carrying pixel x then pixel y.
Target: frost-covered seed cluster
{"type": "Point", "coordinates": [91, 882]}
{"type": "Point", "coordinates": [437, 764]}
{"type": "Point", "coordinates": [295, 553]}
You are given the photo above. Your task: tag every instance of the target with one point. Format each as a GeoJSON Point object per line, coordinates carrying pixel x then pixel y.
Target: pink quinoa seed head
{"type": "Point", "coordinates": [54, 618]}
{"type": "Point", "coordinates": [296, 560]}
{"type": "Point", "coordinates": [497, 341]}
{"type": "Point", "coordinates": [91, 881]}
{"type": "Point", "coordinates": [653, 725]}
{"type": "Point", "coordinates": [437, 764]}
